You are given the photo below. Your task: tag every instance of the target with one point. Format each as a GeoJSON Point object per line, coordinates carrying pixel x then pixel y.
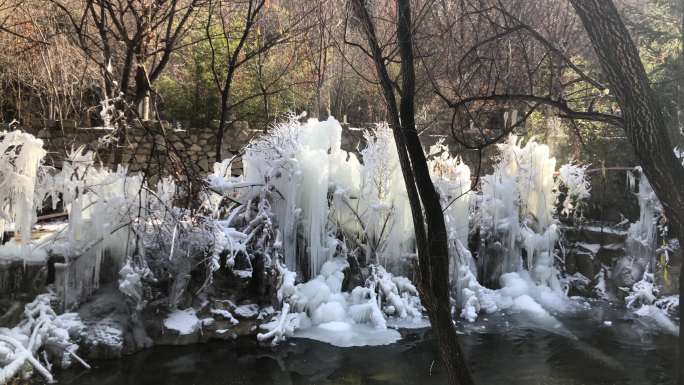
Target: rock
{"type": "Point", "coordinates": [203, 164]}
{"type": "Point", "coordinates": [248, 311]}
{"type": "Point", "coordinates": [579, 285]}
{"type": "Point", "coordinates": [594, 234]}
{"type": "Point", "coordinates": [490, 264]}
{"type": "Point", "coordinates": [353, 276]}
{"type": "Point", "coordinates": [582, 261]}
{"type": "Point", "coordinates": [11, 312]}
{"type": "Point", "coordinates": [113, 327]}
{"type": "Point", "coordinates": [610, 254]}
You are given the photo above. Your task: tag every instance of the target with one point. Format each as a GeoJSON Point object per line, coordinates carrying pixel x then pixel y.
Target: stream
{"type": "Point", "coordinates": [603, 344]}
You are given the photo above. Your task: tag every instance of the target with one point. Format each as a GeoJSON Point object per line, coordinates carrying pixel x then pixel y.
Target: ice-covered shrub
{"type": "Point", "coordinates": [41, 334]}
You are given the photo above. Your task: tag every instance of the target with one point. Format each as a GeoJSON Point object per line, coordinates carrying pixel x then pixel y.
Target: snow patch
{"type": "Point", "coordinates": [183, 321]}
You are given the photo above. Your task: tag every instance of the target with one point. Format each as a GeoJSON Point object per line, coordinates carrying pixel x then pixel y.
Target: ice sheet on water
{"type": "Point", "coordinates": [658, 318]}
{"type": "Point", "coordinates": [346, 334]}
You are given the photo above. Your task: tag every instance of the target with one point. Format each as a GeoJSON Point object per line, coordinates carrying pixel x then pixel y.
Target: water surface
{"type": "Point", "coordinates": [505, 349]}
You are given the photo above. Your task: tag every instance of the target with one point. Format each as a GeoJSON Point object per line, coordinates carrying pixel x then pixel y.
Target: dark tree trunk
{"type": "Point", "coordinates": [225, 107]}
{"type": "Point", "coordinates": [644, 122]}
{"type": "Point", "coordinates": [253, 10]}
{"type": "Point", "coordinates": [428, 220]}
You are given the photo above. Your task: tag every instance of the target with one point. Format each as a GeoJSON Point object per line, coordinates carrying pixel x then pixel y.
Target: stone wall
{"type": "Point", "coordinates": [153, 147]}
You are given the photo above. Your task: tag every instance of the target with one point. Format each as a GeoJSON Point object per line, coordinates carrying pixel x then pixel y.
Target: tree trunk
{"type": "Point", "coordinates": [225, 95]}
{"type": "Point", "coordinates": [432, 243]}
{"type": "Point", "coordinates": [433, 262]}
{"type": "Point", "coordinates": [644, 122]}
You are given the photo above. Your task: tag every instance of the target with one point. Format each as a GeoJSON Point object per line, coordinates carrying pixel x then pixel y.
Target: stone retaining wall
{"type": "Point", "coordinates": [153, 147]}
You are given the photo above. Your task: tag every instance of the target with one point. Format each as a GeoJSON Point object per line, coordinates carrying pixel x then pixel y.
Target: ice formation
{"type": "Point", "coordinates": [516, 218]}
{"type": "Point", "coordinates": [319, 309]}
{"type": "Point", "coordinates": [327, 204]}
{"type": "Point", "coordinates": [110, 214]}
{"type": "Point", "coordinates": [321, 205]}
{"type": "Point", "coordinates": [313, 212]}
{"type": "Point", "coordinates": [642, 235]}
{"type": "Point", "coordinates": [20, 156]}
{"type": "Point", "coordinates": [518, 202]}
{"type": "Point", "coordinates": [635, 272]}
{"type": "Point", "coordinates": [105, 210]}
{"type": "Point", "coordinates": [574, 178]}
{"type": "Point", "coordinates": [317, 189]}
{"type": "Point", "coordinates": [452, 180]}
{"type": "Point", "coordinates": [41, 330]}
{"type": "Point", "coordinates": [299, 162]}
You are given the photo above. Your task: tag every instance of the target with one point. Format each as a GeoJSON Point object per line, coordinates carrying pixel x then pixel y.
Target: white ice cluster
{"type": "Point", "coordinates": [574, 178]}
{"type": "Point", "coordinates": [315, 189]}
{"type": "Point", "coordinates": [20, 157]}
{"type": "Point", "coordinates": [42, 334]}
{"type": "Point", "coordinates": [517, 209]}
{"type": "Point", "coordinates": [319, 309]}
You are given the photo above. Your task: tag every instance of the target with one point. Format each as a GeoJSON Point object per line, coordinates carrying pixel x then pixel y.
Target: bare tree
{"type": "Point", "coordinates": [644, 121]}
{"type": "Point", "coordinates": [242, 47]}
{"type": "Point", "coordinates": [428, 220]}
{"type": "Point", "coordinates": [131, 42]}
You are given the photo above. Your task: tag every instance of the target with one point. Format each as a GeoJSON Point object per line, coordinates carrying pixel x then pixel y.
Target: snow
{"type": "Point", "coordinates": [601, 229]}
{"type": "Point", "coordinates": [247, 311]}
{"type": "Point", "coordinates": [14, 251]}
{"type": "Point", "coordinates": [244, 274]}
{"type": "Point", "coordinates": [226, 315]}
{"type": "Point", "coordinates": [183, 321]}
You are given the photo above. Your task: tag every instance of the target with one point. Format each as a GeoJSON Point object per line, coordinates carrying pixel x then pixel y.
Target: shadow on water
{"type": "Point", "coordinates": [501, 350]}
